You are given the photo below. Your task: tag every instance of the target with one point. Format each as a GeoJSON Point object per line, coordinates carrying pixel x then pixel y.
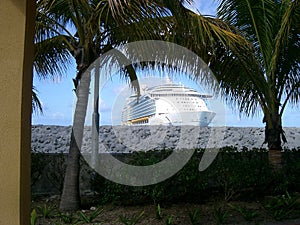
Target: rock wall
{"type": "Point", "coordinates": [119, 139]}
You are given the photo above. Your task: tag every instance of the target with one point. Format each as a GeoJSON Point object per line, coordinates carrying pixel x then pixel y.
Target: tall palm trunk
{"type": "Point", "coordinates": [274, 134]}
{"type": "Point", "coordinates": [70, 200]}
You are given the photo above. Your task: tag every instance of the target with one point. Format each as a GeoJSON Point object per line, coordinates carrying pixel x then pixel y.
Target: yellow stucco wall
{"type": "Point", "coordinates": [15, 109]}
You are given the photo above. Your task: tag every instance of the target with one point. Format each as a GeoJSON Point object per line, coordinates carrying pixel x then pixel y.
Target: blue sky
{"type": "Point", "coordinates": [58, 98]}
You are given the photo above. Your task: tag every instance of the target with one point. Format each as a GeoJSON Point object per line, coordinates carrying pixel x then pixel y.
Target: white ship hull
{"type": "Point", "coordinates": [202, 118]}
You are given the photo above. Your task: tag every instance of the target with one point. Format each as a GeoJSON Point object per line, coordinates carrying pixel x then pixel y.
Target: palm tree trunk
{"type": "Point", "coordinates": [275, 159]}
{"type": "Point", "coordinates": [70, 199]}
{"type": "Point", "coordinates": [274, 133]}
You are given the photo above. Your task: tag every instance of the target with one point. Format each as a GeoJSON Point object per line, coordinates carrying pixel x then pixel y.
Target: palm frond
{"type": "Point", "coordinates": [36, 104]}
{"type": "Point", "coordinates": [256, 20]}
{"type": "Point", "coordinates": [51, 58]}
{"type": "Point", "coordinates": [52, 48]}
{"type": "Point", "coordinates": [271, 26]}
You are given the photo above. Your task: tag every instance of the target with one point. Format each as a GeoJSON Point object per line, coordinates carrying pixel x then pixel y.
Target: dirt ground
{"type": "Point", "coordinates": [179, 214]}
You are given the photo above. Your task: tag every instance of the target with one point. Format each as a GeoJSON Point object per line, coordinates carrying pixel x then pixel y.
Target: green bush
{"type": "Point", "coordinates": [247, 214]}
{"type": "Point", "coordinates": [194, 216]}
{"type": "Point", "coordinates": [282, 206]}
{"type": "Point", "coordinates": [233, 175]}
{"type": "Point", "coordinates": [89, 217]}
{"type": "Point", "coordinates": [134, 219]}
{"type": "Point", "coordinates": [220, 215]}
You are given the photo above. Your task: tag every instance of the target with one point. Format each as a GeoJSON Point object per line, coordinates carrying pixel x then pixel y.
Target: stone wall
{"type": "Point", "coordinates": [119, 139]}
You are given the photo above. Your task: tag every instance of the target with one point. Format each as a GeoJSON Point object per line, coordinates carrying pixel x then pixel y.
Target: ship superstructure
{"type": "Point", "coordinates": [168, 104]}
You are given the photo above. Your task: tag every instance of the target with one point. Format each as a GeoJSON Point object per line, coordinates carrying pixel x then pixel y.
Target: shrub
{"type": "Point", "coordinates": [233, 175]}
{"type": "Point", "coordinates": [281, 207]}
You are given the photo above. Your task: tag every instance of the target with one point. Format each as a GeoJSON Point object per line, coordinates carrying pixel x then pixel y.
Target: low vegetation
{"type": "Point", "coordinates": [238, 185]}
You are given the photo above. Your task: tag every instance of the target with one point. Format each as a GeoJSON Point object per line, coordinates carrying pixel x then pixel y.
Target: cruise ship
{"type": "Point", "coordinates": [167, 104]}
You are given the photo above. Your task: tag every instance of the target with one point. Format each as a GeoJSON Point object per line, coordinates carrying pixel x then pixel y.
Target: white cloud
{"type": "Point", "coordinates": [205, 7]}
{"type": "Point", "coordinates": [57, 116]}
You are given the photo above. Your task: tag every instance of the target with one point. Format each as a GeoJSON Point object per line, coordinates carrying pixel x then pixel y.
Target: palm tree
{"type": "Point", "coordinates": [51, 58]}
{"type": "Point", "coordinates": [272, 80]}
{"type": "Point", "coordinates": [85, 30]}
